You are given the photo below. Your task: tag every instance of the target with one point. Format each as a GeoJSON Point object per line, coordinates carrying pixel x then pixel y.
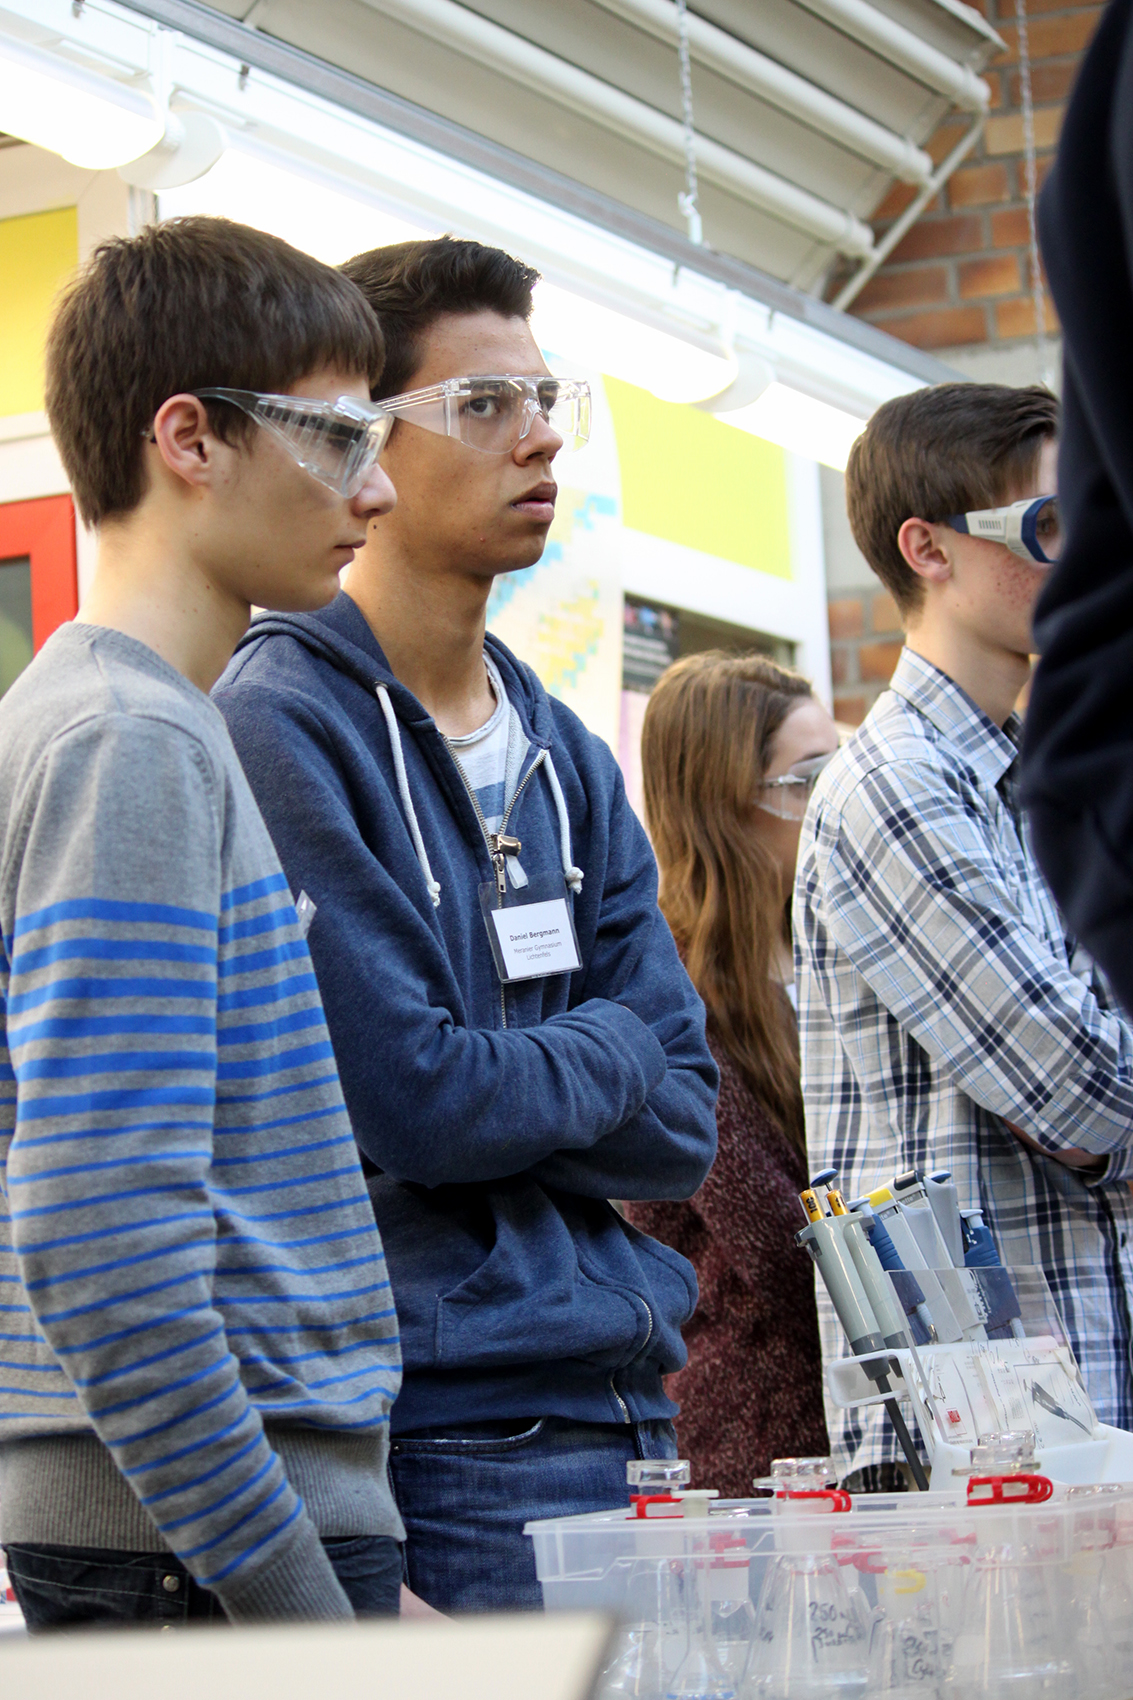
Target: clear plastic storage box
{"type": "Point", "coordinates": [1020, 1589]}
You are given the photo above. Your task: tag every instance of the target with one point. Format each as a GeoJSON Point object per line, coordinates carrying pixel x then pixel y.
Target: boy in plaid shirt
{"type": "Point", "coordinates": [947, 1020]}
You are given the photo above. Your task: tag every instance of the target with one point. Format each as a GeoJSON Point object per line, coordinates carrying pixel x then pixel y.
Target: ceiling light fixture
{"type": "Point", "coordinates": [191, 145]}
{"type": "Point", "coordinates": [605, 340]}
{"type": "Point", "coordinates": [797, 422]}
{"type": "Point", "coordinates": [92, 121]}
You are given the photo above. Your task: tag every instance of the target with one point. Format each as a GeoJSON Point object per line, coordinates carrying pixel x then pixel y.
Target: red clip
{"type": "Point", "coordinates": [839, 1500]}
{"type": "Point", "coordinates": [724, 1543]}
{"type": "Point", "coordinates": [868, 1563]}
{"type": "Point", "coordinates": [642, 1501]}
{"type": "Point", "coordinates": [1010, 1490]}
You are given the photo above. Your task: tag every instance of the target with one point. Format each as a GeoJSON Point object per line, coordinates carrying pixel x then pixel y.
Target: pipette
{"type": "Point", "coordinates": [945, 1201]}
{"type": "Point", "coordinates": [916, 1206]}
{"type": "Point", "coordinates": [998, 1288]}
{"type": "Point", "coordinates": [827, 1245]}
{"type": "Point", "coordinates": [878, 1287]}
{"type": "Point", "coordinates": [946, 1328]}
{"type": "Point", "coordinates": [906, 1287]}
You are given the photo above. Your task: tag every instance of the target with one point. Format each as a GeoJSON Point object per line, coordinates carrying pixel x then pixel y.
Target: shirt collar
{"type": "Point", "coordinates": [987, 748]}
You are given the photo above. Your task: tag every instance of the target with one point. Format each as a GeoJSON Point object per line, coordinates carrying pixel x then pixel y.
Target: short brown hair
{"type": "Point", "coordinates": [194, 303]}
{"type": "Point", "coordinates": [412, 284]}
{"type": "Point", "coordinates": [937, 452]}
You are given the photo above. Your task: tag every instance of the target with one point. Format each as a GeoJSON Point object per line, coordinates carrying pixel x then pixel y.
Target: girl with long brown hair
{"type": "Point", "coordinates": [731, 747]}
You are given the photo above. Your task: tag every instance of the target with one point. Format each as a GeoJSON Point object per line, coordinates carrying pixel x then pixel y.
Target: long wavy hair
{"type": "Point", "coordinates": [705, 748]}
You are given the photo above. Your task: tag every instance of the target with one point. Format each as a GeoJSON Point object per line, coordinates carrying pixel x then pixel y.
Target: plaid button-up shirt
{"type": "Point", "coordinates": [939, 998]}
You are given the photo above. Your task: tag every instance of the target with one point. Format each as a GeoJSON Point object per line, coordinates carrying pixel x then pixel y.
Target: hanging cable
{"type": "Point", "coordinates": [1038, 293]}
{"type": "Point", "coordinates": [688, 200]}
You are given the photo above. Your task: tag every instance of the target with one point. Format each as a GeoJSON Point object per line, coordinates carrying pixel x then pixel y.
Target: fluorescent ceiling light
{"type": "Point", "coordinates": [799, 423]}
{"type": "Point", "coordinates": [92, 121]}
{"type": "Point", "coordinates": [322, 221]}
{"type": "Point", "coordinates": [626, 348]}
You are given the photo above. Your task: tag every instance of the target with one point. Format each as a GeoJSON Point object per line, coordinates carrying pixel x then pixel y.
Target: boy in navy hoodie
{"type": "Point", "coordinates": [517, 1040]}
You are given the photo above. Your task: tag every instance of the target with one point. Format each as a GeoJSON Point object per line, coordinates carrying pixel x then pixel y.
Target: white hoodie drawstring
{"type": "Point", "coordinates": [571, 874]}
{"type": "Point", "coordinates": [406, 799]}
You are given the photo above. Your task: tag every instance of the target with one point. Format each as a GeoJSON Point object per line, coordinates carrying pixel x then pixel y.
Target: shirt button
{"type": "Point", "coordinates": [171, 1584]}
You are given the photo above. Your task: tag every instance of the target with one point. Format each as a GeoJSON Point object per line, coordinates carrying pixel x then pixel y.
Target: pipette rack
{"type": "Point", "coordinates": [1021, 1378]}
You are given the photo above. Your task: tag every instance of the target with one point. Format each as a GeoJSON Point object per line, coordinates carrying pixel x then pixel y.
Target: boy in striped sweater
{"type": "Point", "coordinates": [198, 1345]}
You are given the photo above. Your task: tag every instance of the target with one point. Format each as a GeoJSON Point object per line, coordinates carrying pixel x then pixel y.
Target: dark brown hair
{"type": "Point", "coordinates": [412, 284]}
{"type": "Point", "coordinates": [705, 746]}
{"type": "Point", "coordinates": [937, 452]}
{"type": "Point", "coordinates": [190, 304]}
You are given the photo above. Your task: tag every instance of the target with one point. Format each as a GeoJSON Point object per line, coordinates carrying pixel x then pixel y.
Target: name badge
{"type": "Point", "coordinates": [531, 936]}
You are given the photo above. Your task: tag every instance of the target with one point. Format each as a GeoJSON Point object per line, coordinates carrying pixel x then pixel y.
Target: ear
{"type": "Point", "coordinates": [185, 441]}
{"type": "Point", "coordinates": [926, 550]}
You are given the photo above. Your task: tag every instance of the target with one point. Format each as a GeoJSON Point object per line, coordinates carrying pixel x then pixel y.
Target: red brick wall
{"type": "Point", "coordinates": [961, 275]}
{"type": "Point", "coordinates": [960, 280]}
{"type": "Point", "coordinates": [865, 641]}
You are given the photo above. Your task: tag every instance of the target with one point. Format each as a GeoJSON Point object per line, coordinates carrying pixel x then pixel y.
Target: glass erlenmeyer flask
{"type": "Point", "coordinates": [1009, 1645]}
{"type": "Point", "coordinates": [699, 1674]}
{"type": "Point", "coordinates": [732, 1608]}
{"type": "Point", "coordinates": [1008, 1649]}
{"type": "Point", "coordinates": [644, 1653]}
{"type": "Point", "coordinates": [1093, 1587]}
{"type": "Point", "coordinates": [812, 1639]}
{"type": "Point", "coordinates": [811, 1636]}
{"type": "Point", "coordinates": [1115, 1595]}
{"type": "Point", "coordinates": [910, 1648]}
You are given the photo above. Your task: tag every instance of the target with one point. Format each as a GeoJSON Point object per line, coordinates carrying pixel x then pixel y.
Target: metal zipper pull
{"type": "Point", "coordinates": [501, 844]}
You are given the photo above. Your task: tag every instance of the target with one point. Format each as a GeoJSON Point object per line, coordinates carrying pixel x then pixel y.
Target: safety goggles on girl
{"type": "Point", "coordinates": [337, 442]}
{"type": "Point", "coordinates": [494, 414]}
{"type": "Point", "coordinates": [788, 795]}
{"type": "Point", "coordinates": [1031, 529]}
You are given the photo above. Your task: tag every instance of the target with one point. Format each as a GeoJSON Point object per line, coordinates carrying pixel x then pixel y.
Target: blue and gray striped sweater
{"type": "Point", "coordinates": [189, 1265]}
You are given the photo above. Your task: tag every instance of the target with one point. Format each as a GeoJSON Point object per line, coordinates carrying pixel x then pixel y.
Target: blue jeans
{"type": "Point", "coordinates": [465, 1493]}
{"type": "Point", "coordinates": [61, 1586]}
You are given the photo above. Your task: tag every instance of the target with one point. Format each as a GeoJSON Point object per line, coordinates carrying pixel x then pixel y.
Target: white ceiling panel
{"type": "Point", "coordinates": [438, 54]}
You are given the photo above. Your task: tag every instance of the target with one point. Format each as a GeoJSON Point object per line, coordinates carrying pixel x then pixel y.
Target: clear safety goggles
{"type": "Point", "coordinates": [1031, 529]}
{"type": "Point", "coordinates": [494, 414]}
{"type": "Point", "coordinates": [787, 796]}
{"type": "Point", "coordinates": [337, 442]}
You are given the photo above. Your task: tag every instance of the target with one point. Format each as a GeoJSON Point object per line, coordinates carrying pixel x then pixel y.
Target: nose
{"type": "Point", "coordinates": [541, 439]}
{"type": "Point", "coordinates": [376, 497]}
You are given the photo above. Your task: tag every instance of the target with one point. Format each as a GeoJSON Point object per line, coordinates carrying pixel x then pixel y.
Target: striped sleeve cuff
{"type": "Point", "coordinates": [299, 1585]}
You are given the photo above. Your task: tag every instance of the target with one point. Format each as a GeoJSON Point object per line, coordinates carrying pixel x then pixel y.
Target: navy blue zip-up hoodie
{"type": "Point", "coordinates": [490, 1147]}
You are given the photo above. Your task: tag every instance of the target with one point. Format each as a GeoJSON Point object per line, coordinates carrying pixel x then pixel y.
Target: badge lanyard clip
{"type": "Point", "coordinates": [531, 932]}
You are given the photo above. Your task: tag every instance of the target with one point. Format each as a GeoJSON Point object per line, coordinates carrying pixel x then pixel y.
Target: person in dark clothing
{"type": "Point", "coordinates": [1078, 738]}
{"type": "Point", "coordinates": [731, 746]}
{"type": "Point", "coordinates": [421, 786]}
